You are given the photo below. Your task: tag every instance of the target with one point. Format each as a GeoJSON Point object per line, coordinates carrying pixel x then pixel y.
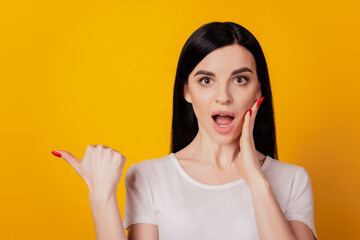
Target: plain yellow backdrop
{"type": "Point", "coordinates": [75, 73]}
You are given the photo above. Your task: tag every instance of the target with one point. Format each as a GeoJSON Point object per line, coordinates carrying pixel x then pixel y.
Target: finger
{"type": "Point", "coordinates": [90, 149]}
{"type": "Point", "coordinates": [254, 109]}
{"type": "Point", "coordinates": [249, 121]}
{"type": "Point", "coordinates": [101, 146]}
{"type": "Point", "coordinates": [68, 157]}
{"type": "Point", "coordinates": [250, 118]}
{"type": "Point", "coordinates": [246, 128]}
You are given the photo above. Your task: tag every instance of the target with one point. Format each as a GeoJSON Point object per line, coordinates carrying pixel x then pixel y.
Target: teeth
{"type": "Point", "coordinates": [224, 115]}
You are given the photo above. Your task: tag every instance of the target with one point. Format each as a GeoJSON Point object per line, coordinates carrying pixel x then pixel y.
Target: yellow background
{"type": "Point", "coordinates": [75, 73]}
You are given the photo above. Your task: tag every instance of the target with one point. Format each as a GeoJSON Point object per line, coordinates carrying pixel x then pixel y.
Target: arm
{"type": "Point", "coordinates": [143, 231]}
{"type": "Point", "coordinates": [101, 168]}
{"type": "Point", "coordinates": [270, 220]}
{"type": "Point", "coordinates": [107, 218]}
{"type": "Point", "coordinates": [139, 214]}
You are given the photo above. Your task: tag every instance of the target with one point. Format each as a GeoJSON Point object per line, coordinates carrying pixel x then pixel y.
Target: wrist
{"type": "Point", "coordinates": [100, 196]}
{"type": "Point", "coordinates": [258, 181]}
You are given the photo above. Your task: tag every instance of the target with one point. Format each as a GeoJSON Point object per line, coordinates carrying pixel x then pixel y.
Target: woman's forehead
{"type": "Point", "coordinates": [226, 59]}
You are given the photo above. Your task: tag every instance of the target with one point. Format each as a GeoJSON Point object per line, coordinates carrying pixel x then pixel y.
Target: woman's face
{"type": "Point", "coordinates": [225, 80]}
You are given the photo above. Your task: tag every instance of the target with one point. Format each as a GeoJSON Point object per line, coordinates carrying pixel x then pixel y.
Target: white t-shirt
{"type": "Point", "coordinates": [159, 191]}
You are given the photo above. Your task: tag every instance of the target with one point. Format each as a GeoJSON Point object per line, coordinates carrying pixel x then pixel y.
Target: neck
{"type": "Point", "coordinates": [222, 155]}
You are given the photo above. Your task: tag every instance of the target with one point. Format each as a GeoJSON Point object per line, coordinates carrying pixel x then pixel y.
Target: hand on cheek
{"type": "Point", "coordinates": [247, 161]}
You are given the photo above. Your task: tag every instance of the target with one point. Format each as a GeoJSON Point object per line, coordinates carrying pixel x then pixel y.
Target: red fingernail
{"type": "Point", "coordinates": [250, 111]}
{"type": "Point", "coordinates": [56, 154]}
{"type": "Point", "coordinates": [260, 101]}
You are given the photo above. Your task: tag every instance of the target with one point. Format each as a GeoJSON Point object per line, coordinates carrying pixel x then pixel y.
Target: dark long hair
{"type": "Point", "coordinates": [203, 41]}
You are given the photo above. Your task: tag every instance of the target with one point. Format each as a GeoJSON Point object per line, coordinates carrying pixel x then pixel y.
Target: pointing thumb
{"type": "Point", "coordinates": [67, 156]}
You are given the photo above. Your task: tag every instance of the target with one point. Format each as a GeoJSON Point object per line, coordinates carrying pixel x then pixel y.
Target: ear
{"type": "Point", "coordinates": [186, 93]}
{"type": "Point", "coordinates": [258, 94]}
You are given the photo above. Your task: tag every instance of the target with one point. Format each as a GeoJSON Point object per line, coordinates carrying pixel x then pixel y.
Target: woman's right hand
{"type": "Point", "coordinates": [101, 168]}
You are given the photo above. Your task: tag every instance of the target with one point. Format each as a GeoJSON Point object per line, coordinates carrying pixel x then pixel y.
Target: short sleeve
{"type": "Point", "coordinates": [139, 207]}
{"type": "Point", "coordinates": [301, 205]}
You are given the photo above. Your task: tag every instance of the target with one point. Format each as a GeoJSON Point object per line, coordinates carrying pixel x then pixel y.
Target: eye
{"type": "Point", "coordinates": [205, 78]}
{"type": "Point", "coordinates": [242, 79]}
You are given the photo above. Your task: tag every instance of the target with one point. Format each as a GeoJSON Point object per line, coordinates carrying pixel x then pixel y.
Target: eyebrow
{"type": "Point", "coordinates": [240, 70]}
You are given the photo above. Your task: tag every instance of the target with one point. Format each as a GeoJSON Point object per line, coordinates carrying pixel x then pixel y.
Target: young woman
{"type": "Point", "coordinates": [222, 179]}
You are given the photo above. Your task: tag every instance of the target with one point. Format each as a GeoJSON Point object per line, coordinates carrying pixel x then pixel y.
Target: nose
{"type": "Point", "coordinates": [223, 96]}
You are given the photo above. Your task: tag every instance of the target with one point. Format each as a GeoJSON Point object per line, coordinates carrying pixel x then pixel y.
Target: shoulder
{"type": "Point", "coordinates": [149, 167]}
{"type": "Point", "coordinates": [288, 181]}
{"type": "Point", "coordinates": [285, 169]}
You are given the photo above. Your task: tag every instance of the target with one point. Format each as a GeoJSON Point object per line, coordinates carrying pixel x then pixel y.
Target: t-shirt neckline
{"type": "Point", "coordinates": [207, 186]}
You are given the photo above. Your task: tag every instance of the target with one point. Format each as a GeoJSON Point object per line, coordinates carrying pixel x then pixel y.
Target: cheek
{"type": "Point", "coordinates": [201, 105]}
{"type": "Point", "coordinates": [244, 104]}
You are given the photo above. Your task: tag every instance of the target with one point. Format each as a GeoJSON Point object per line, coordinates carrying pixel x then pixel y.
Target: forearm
{"type": "Point", "coordinates": [107, 218]}
{"type": "Point", "coordinates": [270, 220]}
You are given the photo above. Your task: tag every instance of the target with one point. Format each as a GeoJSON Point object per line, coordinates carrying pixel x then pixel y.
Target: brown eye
{"type": "Point", "coordinates": [207, 80]}
{"type": "Point", "coordinates": [242, 79]}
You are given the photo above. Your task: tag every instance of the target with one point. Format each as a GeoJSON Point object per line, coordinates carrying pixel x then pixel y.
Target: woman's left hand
{"type": "Point", "coordinates": [247, 160]}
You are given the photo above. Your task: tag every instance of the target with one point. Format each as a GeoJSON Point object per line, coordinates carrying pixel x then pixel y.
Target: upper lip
{"type": "Point", "coordinates": [231, 114]}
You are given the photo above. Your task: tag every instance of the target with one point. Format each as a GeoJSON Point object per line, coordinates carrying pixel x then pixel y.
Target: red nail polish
{"type": "Point", "coordinates": [260, 101]}
{"type": "Point", "coordinates": [250, 111]}
{"type": "Point", "coordinates": [56, 154]}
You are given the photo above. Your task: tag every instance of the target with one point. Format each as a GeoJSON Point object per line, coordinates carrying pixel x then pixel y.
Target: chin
{"type": "Point", "coordinates": [225, 139]}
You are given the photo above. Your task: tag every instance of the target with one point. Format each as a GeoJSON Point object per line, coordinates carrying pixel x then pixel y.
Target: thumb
{"type": "Point", "coordinates": [68, 157]}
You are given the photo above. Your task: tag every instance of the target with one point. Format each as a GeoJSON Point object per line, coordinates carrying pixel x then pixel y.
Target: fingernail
{"type": "Point", "coordinates": [250, 111]}
{"type": "Point", "coordinates": [56, 154]}
{"type": "Point", "coordinates": [260, 101]}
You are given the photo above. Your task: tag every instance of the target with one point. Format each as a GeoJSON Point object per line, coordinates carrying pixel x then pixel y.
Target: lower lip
{"type": "Point", "coordinates": [223, 130]}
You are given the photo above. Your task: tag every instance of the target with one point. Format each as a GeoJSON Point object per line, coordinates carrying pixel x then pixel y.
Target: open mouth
{"type": "Point", "coordinates": [223, 120]}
